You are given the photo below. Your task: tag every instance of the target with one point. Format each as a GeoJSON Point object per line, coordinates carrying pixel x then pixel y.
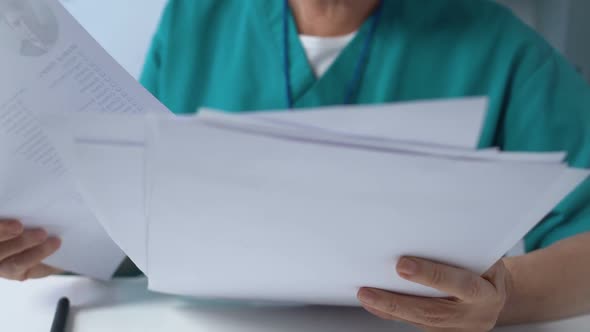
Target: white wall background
{"type": "Point", "coordinates": [124, 27]}
{"type": "Point", "coordinates": [565, 23]}
{"type": "Point", "coordinates": [577, 40]}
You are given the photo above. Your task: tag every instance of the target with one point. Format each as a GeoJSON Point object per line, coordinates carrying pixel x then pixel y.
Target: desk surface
{"type": "Point", "coordinates": [125, 305]}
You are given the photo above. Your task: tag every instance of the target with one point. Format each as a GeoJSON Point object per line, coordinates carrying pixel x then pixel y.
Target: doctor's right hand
{"type": "Point", "coordinates": [22, 252]}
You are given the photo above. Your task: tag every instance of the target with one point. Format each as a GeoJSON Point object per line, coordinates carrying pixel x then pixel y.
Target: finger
{"type": "Point", "coordinates": [462, 284]}
{"type": "Point", "coordinates": [379, 313]}
{"type": "Point", "coordinates": [386, 316]}
{"type": "Point", "coordinates": [41, 271]}
{"type": "Point", "coordinates": [9, 229]}
{"type": "Point", "coordinates": [16, 266]}
{"type": "Point", "coordinates": [424, 311]}
{"type": "Point", "coordinates": [28, 239]}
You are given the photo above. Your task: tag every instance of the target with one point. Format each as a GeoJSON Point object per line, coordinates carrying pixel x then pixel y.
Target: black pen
{"type": "Point", "coordinates": [61, 315]}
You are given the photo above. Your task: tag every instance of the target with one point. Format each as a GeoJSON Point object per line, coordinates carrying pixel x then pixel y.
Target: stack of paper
{"type": "Point", "coordinates": [307, 206]}
{"type": "Point", "coordinates": [302, 206]}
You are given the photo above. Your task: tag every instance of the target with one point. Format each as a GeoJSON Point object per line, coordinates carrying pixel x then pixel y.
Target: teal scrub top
{"type": "Point", "coordinates": [228, 54]}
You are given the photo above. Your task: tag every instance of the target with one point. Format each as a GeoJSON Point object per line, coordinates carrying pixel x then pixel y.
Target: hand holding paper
{"type": "Point", "coordinates": [23, 250]}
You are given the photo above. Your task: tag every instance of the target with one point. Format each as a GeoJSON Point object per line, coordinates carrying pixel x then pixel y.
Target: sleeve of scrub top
{"type": "Point", "coordinates": [550, 110]}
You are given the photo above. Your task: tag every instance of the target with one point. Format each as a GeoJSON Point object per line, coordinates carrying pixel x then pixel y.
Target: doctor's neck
{"type": "Point", "coordinates": [330, 18]}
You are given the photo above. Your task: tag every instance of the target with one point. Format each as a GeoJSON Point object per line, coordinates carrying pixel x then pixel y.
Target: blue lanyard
{"type": "Point", "coordinates": [353, 85]}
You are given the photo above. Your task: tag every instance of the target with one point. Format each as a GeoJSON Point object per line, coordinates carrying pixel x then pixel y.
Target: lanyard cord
{"type": "Point", "coordinates": [353, 85]}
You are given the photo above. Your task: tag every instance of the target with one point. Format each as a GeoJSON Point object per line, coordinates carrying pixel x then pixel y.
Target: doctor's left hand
{"type": "Point", "coordinates": [475, 305]}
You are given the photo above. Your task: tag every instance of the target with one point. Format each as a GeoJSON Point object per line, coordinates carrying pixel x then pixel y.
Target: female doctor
{"type": "Point", "coordinates": [288, 54]}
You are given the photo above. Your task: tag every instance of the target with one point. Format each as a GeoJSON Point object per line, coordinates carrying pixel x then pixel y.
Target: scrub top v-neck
{"type": "Point", "coordinates": [307, 89]}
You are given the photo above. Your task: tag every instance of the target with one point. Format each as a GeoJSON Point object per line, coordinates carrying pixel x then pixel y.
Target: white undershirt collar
{"type": "Point", "coordinates": [322, 52]}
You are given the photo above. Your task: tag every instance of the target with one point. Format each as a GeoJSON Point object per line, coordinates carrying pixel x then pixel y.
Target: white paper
{"type": "Point", "coordinates": [50, 64]}
{"type": "Point", "coordinates": [282, 220]}
{"type": "Point", "coordinates": [450, 123]}
{"type": "Point", "coordinates": [285, 129]}
{"type": "Point", "coordinates": [105, 153]}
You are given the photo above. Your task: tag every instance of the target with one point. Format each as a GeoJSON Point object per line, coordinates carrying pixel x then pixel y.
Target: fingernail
{"type": "Point", "coordinates": [367, 296]}
{"type": "Point", "coordinates": [407, 267]}
{"type": "Point", "coordinates": [39, 235]}
{"type": "Point", "coordinates": [54, 242]}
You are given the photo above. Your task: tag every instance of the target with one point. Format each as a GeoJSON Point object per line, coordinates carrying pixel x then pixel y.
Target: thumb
{"type": "Point", "coordinates": [497, 275]}
{"type": "Point", "coordinates": [42, 271]}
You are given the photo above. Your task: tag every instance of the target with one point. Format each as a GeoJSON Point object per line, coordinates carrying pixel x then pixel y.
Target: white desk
{"type": "Point", "coordinates": [125, 305]}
